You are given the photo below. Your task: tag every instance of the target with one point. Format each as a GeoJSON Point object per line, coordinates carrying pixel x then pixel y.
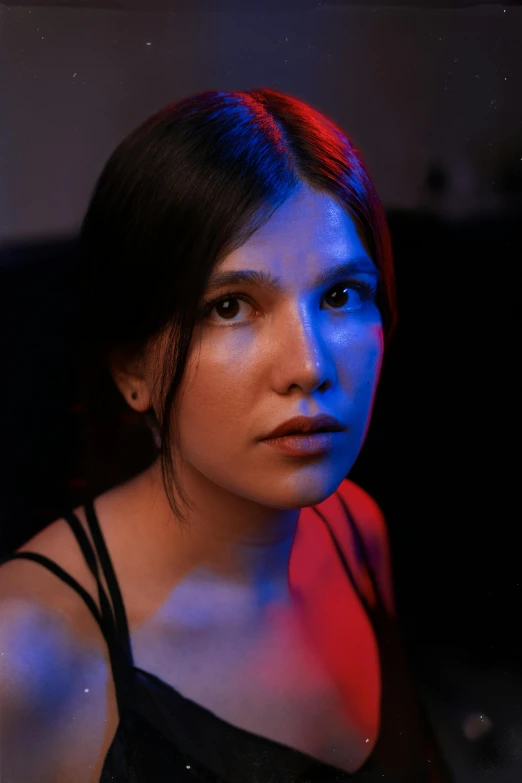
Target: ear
{"type": "Point", "coordinates": [132, 383]}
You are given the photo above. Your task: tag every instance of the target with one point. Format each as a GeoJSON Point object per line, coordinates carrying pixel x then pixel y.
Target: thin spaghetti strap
{"type": "Point", "coordinates": [342, 558]}
{"type": "Point", "coordinates": [90, 558]}
{"type": "Point", "coordinates": [122, 628]}
{"type": "Point", "coordinates": [105, 618]}
{"type": "Point", "coordinates": [361, 546]}
{"type": "Point", "coordinates": [65, 577]}
{"type": "Point", "coordinates": [121, 667]}
{"type": "Point", "coordinates": [362, 549]}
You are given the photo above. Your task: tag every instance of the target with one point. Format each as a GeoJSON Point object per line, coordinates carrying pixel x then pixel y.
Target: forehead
{"type": "Point", "coordinates": [308, 234]}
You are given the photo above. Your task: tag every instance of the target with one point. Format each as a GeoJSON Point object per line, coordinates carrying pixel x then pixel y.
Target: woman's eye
{"type": "Point", "coordinates": [349, 297]}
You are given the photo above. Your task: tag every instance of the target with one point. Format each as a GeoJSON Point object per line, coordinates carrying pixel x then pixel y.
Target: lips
{"type": "Point", "coordinates": [305, 425]}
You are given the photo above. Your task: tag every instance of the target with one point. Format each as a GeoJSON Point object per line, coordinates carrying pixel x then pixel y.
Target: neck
{"type": "Point", "coordinates": [227, 541]}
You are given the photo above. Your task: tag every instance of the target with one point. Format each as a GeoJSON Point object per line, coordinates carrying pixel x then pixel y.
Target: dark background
{"type": "Point", "coordinates": [431, 94]}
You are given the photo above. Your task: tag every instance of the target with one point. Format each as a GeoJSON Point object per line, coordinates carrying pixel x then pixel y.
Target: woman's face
{"type": "Point", "coordinates": [264, 355]}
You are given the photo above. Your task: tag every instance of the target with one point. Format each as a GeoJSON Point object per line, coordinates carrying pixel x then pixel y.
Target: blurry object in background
{"type": "Point", "coordinates": [477, 712]}
{"type": "Point", "coordinates": [458, 191]}
{"type": "Point", "coordinates": [476, 725]}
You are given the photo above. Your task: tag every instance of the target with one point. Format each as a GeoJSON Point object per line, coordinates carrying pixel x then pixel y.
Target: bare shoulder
{"type": "Point", "coordinates": [55, 686]}
{"type": "Point", "coordinates": [42, 593]}
{"type": "Point", "coordinates": [371, 524]}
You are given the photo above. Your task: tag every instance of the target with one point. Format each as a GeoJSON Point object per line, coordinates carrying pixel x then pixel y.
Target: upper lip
{"type": "Point", "coordinates": [306, 424]}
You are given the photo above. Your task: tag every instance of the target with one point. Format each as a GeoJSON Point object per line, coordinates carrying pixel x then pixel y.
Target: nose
{"type": "Point", "coordinates": [304, 359]}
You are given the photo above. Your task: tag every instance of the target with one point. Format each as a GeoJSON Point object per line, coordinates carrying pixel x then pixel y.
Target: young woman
{"type": "Point", "coordinates": [227, 613]}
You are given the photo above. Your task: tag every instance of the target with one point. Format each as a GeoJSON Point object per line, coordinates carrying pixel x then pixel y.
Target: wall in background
{"type": "Point", "coordinates": [419, 90]}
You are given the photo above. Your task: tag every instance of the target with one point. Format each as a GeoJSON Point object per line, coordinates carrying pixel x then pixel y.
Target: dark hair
{"type": "Point", "coordinates": [190, 184]}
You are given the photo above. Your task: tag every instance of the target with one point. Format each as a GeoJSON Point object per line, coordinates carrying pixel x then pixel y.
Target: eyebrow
{"type": "Point", "coordinates": [268, 280]}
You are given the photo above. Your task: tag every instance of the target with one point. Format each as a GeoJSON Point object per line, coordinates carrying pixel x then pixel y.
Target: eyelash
{"type": "Point", "coordinates": [366, 290]}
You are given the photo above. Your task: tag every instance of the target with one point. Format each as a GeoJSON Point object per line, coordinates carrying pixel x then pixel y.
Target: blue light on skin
{"type": "Point", "coordinates": [267, 354]}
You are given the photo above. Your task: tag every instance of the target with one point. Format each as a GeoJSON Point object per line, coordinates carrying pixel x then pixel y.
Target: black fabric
{"type": "Point", "coordinates": [163, 736]}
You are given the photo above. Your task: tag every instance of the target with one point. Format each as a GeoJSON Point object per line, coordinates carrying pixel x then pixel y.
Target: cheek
{"type": "Point", "coordinates": [216, 390]}
{"type": "Point", "coordinates": [375, 354]}
{"type": "Point", "coordinates": [364, 360]}
{"type": "Point", "coordinates": [361, 374]}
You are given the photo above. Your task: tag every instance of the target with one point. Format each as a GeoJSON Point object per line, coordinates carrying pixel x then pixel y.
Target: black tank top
{"type": "Point", "coordinates": [164, 737]}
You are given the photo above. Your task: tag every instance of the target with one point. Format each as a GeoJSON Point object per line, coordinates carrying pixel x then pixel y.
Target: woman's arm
{"type": "Point", "coordinates": [51, 699]}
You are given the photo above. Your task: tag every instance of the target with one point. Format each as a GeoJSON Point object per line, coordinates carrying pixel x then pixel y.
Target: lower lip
{"type": "Point", "coordinates": [303, 445]}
